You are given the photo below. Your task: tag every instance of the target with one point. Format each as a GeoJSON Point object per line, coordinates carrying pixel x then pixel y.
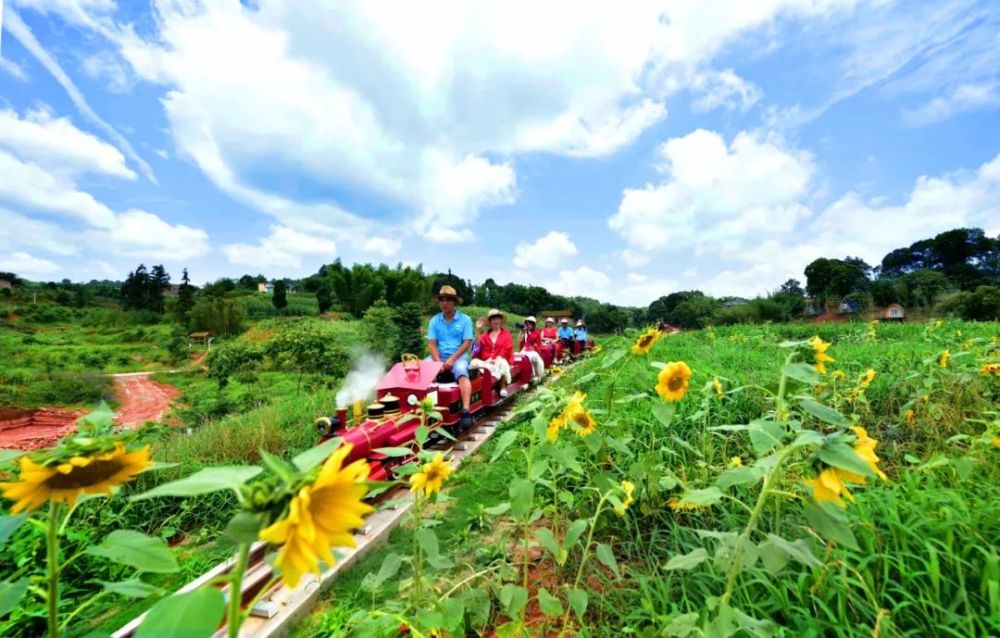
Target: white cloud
{"type": "Point", "coordinates": [581, 282]}
{"type": "Point", "coordinates": [29, 185]}
{"type": "Point", "coordinates": [12, 68]}
{"type": "Point", "coordinates": [385, 246]}
{"type": "Point", "coordinates": [723, 89]}
{"type": "Point", "coordinates": [424, 106]}
{"type": "Point", "coordinates": [137, 233]}
{"type": "Point", "coordinates": [25, 265]}
{"type": "Point", "coordinates": [18, 231]}
{"type": "Point", "coordinates": [549, 251]}
{"type": "Point", "coordinates": [23, 34]}
{"type": "Point", "coordinates": [59, 146]}
{"type": "Point", "coordinates": [961, 99]}
{"type": "Point", "coordinates": [107, 67]}
{"type": "Point", "coordinates": [638, 289]}
{"type": "Point", "coordinates": [284, 247]}
{"type": "Point", "coordinates": [713, 191]}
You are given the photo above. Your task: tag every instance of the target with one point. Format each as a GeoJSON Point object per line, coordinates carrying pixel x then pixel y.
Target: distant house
{"type": "Point", "coordinates": [848, 306]}
{"type": "Point", "coordinates": [205, 338]}
{"type": "Point", "coordinates": [893, 312]}
{"type": "Point", "coordinates": [265, 287]}
{"type": "Point", "coordinates": [6, 283]}
{"type": "Point", "coordinates": [556, 314]}
{"type": "Point", "coordinates": [732, 302]}
{"type": "Point", "coordinates": [814, 308]}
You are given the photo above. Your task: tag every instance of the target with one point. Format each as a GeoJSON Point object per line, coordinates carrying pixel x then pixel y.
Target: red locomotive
{"type": "Point", "coordinates": [388, 421]}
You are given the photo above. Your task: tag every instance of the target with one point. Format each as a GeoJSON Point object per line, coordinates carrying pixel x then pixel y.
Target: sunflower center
{"type": "Point", "coordinates": [644, 340]}
{"type": "Point", "coordinates": [81, 477]}
{"type": "Point", "coordinates": [675, 383]}
{"type": "Point", "coordinates": [433, 474]}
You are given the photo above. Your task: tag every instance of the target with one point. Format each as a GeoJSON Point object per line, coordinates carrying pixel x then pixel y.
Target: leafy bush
{"type": "Point", "coordinates": [981, 305]}
{"type": "Point", "coordinates": [380, 330]}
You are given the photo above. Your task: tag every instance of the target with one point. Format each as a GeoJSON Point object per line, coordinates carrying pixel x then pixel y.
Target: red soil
{"type": "Point", "coordinates": [141, 399]}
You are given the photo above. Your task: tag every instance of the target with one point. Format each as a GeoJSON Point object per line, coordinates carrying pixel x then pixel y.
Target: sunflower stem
{"type": "Point", "coordinates": [583, 559]}
{"type": "Point", "coordinates": [52, 548]}
{"type": "Point", "coordinates": [234, 619]}
{"type": "Point", "coordinates": [418, 558]}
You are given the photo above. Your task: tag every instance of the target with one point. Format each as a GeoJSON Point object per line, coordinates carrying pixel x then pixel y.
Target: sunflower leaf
{"type": "Point", "coordinates": [210, 479]}
{"type": "Point", "coordinates": [10, 455]}
{"type": "Point", "coordinates": [765, 435]}
{"type": "Point", "coordinates": [843, 456]}
{"type": "Point", "coordinates": [824, 413]}
{"type": "Point", "coordinates": [505, 441]}
{"type": "Point", "coordinates": [314, 456]}
{"type": "Point", "coordinates": [687, 561]}
{"type": "Point", "coordinates": [830, 523]}
{"type": "Point", "coordinates": [549, 604]}
{"type": "Point", "coordinates": [133, 588]}
{"type": "Point", "coordinates": [144, 553]}
{"type": "Point", "coordinates": [802, 372]}
{"type": "Point", "coordinates": [577, 599]}
{"type": "Point", "coordinates": [607, 557]}
{"type": "Point", "coordinates": [196, 613]}
{"type": "Point", "coordinates": [9, 525]}
{"type": "Point", "coordinates": [664, 413]}
{"type": "Point", "coordinates": [513, 598]}
{"type": "Point", "coordinates": [11, 593]}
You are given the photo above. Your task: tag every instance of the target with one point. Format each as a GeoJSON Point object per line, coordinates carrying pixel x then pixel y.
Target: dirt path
{"type": "Point", "coordinates": [140, 399]}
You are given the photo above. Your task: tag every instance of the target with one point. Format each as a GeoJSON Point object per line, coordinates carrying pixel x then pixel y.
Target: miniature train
{"type": "Point", "coordinates": [388, 421]}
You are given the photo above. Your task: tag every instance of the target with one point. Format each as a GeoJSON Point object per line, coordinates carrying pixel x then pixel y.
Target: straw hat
{"type": "Point", "coordinates": [495, 313]}
{"type": "Point", "coordinates": [549, 320]}
{"type": "Point", "coordinates": [579, 323]}
{"type": "Point", "coordinates": [448, 291]}
{"type": "Point", "coordinates": [564, 320]}
{"type": "Point", "coordinates": [531, 319]}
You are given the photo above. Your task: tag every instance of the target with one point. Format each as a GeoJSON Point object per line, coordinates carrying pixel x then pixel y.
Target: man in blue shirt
{"type": "Point", "coordinates": [449, 337]}
{"type": "Point", "coordinates": [565, 335]}
{"type": "Point", "coordinates": [581, 334]}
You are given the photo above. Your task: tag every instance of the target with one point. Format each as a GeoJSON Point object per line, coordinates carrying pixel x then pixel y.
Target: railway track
{"type": "Point", "coordinates": [279, 608]}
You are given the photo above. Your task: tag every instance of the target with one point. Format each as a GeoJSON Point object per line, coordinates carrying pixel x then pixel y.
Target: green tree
{"type": "Point", "coordinates": [185, 299]}
{"type": "Point", "coordinates": [306, 350]}
{"type": "Point", "coordinates": [922, 287]}
{"type": "Point", "coordinates": [380, 330]}
{"type": "Point", "coordinates": [280, 296]}
{"type": "Point", "coordinates": [411, 337]}
{"type": "Point", "coordinates": [324, 297]}
{"type": "Point", "coordinates": [695, 312]}
{"type": "Point", "coordinates": [221, 317]}
{"type": "Point", "coordinates": [177, 343]}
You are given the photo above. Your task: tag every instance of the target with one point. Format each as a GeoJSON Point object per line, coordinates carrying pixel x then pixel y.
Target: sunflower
{"type": "Point", "coordinates": [677, 504]}
{"type": "Point", "coordinates": [944, 358]}
{"type": "Point", "coordinates": [996, 441]}
{"type": "Point", "coordinates": [673, 380]}
{"type": "Point", "coordinates": [67, 481]}
{"type": "Point", "coordinates": [645, 341]}
{"type": "Point", "coordinates": [555, 424]}
{"type": "Point", "coordinates": [582, 420]}
{"type": "Point", "coordinates": [911, 417]}
{"type": "Point", "coordinates": [991, 369]}
{"type": "Point", "coordinates": [717, 387]}
{"type": "Point", "coordinates": [735, 462]}
{"type": "Point", "coordinates": [864, 447]}
{"type": "Point", "coordinates": [320, 517]}
{"type": "Point", "coordinates": [867, 378]}
{"type": "Point", "coordinates": [431, 475]}
{"type": "Point", "coordinates": [829, 486]}
{"type": "Point", "coordinates": [820, 358]}
{"type": "Point", "coordinates": [627, 489]}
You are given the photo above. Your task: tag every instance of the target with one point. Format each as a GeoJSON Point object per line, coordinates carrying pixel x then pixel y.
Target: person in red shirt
{"type": "Point", "coordinates": [531, 341]}
{"type": "Point", "coordinates": [496, 350]}
{"type": "Point", "coordinates": [551, 335]}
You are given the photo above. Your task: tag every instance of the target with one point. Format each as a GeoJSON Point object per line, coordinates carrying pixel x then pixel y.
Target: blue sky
{"type": "Point", "coordinates": [616, 151]}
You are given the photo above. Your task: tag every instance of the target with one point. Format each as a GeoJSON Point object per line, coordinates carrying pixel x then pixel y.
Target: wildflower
{"type": "Point", "coordinates": [958, 333]}
{"type": "Point", "coordinates": [628, 489]}
{"type": "Point", "coordinates": [431, 475]}
{"type": "Point", "coordinates": [867, 378]}
{"type": "Point", "coordinates": [556, 370]}
{"type": "Point", "coordinates": [820, 387]}
{"type": "Point", "coordinates": [943, 359]}
{"type": "Point", "coordinates": [735, 462]}
{"type": "Point", "coordinates": [990, 369]}
{"type": "Point", "coordinates": [838, 375]}
{"type": "Point", "coordinates": [911, 417]}
{"type": "Point", "coordinates": [820, 358]}
{"type": "Point", "coordinates": [829, 486]}
{"type": "Point", "coordinates": [320, 517]}
{"type": "Point", "coordinates": [645, 341]}
{"type": "Point", "coordinates": [67, 479]}
{"type": "Point", "coordinates": [717, 386]}
{"type": "Point", "coordinates": [996, 441]}
{"type": "Point", "coordinates": [967, 344]}
{"type": "Point", "coordinates": [673, 380]}
{"type": "Point", "coordinates": [938, 323]}
{"type": "Point", "coordinates": [925, 398]}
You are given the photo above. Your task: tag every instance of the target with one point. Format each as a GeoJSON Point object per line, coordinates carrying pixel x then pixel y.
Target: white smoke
{"type": "Point", "coordinates": [360, 382]}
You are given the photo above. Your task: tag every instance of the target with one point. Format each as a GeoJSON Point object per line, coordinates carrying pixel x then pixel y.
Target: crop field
{"type": "Point", "coordinates": [800, 480]}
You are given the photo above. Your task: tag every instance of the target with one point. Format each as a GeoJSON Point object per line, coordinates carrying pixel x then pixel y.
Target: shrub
{"type": "Point", "coordinates": [380, 331]}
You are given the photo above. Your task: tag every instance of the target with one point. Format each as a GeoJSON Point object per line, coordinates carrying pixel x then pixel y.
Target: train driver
{"type": "Point", "coordinates": [449, 338]}
{"type": "Point", "coordinates": [566, 335]}
{"type": "Point", "coordinates": [531, 341]}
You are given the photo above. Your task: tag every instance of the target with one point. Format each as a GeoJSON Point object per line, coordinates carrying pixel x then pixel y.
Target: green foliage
{"type": "Point", "coordinates": [983, 304]}
{"type": "Point", "coordinates": [836, 278]}
{"type": "Point", "coordinates": [233, 358]}
{"type": "Point", "coordinates": [144, 290]}
{"type": "Point", "coordinates": [380, 330]}
{"type": "Point", "coordinates": [222, 317]}
{"type": "Point", "coordinates": [280, 297]}
{"type": "Point", "coordinates": [177, 344]}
